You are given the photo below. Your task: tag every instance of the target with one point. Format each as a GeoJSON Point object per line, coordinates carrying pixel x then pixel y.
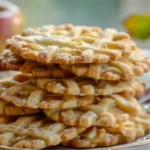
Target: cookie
{"type": "Point", "coordinates": [40, 70]}
{"type": "Point", "coordinates": [126, 69]}
{"type": "Point", "coordinates": [107, 112]}
{"type": "Point", "coordinates": [87, 86]}
{"type": "Point", "coordinates": [9, 109]}
{"type": "Point", "coordinates": [58, 48]}
{"type": "Point", "coordinates": [34, 132]}
{"type": "Point", "coordinates": [9, 61]}
{"type": "Point", "coordinates": [122, 133]}
{"type": "Point", "coordinates": [28, 95]}
{"type": "Point", "coordinates": [9, 81]}
{"type": "Point", "coordinates": [104, 137]}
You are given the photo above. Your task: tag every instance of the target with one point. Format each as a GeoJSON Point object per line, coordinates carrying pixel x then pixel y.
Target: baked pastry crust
{"type": "Point", "coordinates": [34, 132]}
{"type": "Point", "coordinates": [87, 86]}
{"type": "Point", "coordinates": [121, 133]}
{"type": "Point", "coordinates": [10, 81]}
{"type": "Point", "coordinates": [80, 47]}
{"type": "Point", "coordinates": [109, 110]}
{"type": "Point", "coordinates": [29, 95]}
{"type": "Point", "coordinates": [102, 137]}
{"type": "Point", "coordinates": [9, 109]}
{"type": "Point", "coordinates": [72, 86]}
{"type": "Point", "coordinates": [77, 76]}
{"type": "Point", "coordinates": [126, 68]}
{"type": "Point", "coordinates": [9, 61]}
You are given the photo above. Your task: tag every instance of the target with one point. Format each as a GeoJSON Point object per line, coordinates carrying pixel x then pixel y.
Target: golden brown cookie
{"type": "Point", "coordinates": [107, 112]}
{"type": "Point", "coordinates": [103, 137]}
{"type": "Point", "coordinates": [55, 47]}
{"type": "Point", "coordinates": [39, 70]}
{"type": "Point", "coordinates": [122, 133]}
{"type": "Point", "coordinates": [87, 86]}
{"type": "Point", "coordinates": [8, 82]}
{"type": "Point", "coordinates": [34, 132]}
{"type": "Point", "coordinates": [9, 109]}
{"type": "Point", "coordinates": [127, 68]}
{"type": "Point", "coordinates": [29, 95]}
{"type": "Point", "coordinates": [9, 61]}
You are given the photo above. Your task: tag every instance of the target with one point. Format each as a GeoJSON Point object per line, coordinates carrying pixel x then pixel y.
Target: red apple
{"type": "Point", "coordinates": [11, 21]}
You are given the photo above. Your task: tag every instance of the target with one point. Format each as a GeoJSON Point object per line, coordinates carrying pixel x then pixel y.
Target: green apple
{"type": "Point", "coordinates": [138, 25]}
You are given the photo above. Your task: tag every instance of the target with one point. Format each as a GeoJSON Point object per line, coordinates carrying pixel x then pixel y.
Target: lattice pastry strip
{"type": "Point", "coordinates": [61, 49]}
{"type": "Point", "coordinates": [108, 112]}
{"type": "Point", "coordinates": [35, 132]}
{"type": "Point", "coordinates": [9, 61]}
{"type": "Point", "coordinates": [29, 95]}
{"type": "Point", "coordinates": [124, 132]}
{"type": "Point", "coordinates": [127, 68]}
{"type": "Point", "coordinates": [86, 86]}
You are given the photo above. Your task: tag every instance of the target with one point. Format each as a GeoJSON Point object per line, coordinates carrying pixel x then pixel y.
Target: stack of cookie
{"type": "Point", "coordinates": [77, 88]}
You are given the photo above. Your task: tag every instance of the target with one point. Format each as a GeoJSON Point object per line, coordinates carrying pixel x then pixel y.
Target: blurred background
{"type": "Point", "coordinates": [88, 12]}
{"type": "Point", "coordinates": [125, 15]}
{"type": "Point", "coordinates": [104, 13]}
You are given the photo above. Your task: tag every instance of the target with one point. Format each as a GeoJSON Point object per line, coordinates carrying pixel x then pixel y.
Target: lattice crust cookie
{"type": "Point", "coordinates": [123, 133]}
{"type": "Point", "coordinates": [34, 132]}
{"type": "Point", "coordinates": [86, 86]}
{"type": "Point", "coordinates": [9, 61]}
{"type": "Point", "coordinates": [126, 68]}
{"type": "Point", "coordinates": [9, 108]}
{"type": "Point", "coordinates": [10, 81]}
{"type": "Point", "coordinates": [38, 70]}
{"type": "Point", "coordinates": [12, 110]}
{"type": "Point", "coordinates": [28, 95]}
{"type": "Point", "coordinates": [107, 112]}
{"type": "Point", "coordinates": [81, 47]}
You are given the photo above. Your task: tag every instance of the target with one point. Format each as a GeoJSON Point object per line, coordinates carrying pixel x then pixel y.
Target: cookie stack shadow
{"type": "Point", "coordinates": [76, 86]}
